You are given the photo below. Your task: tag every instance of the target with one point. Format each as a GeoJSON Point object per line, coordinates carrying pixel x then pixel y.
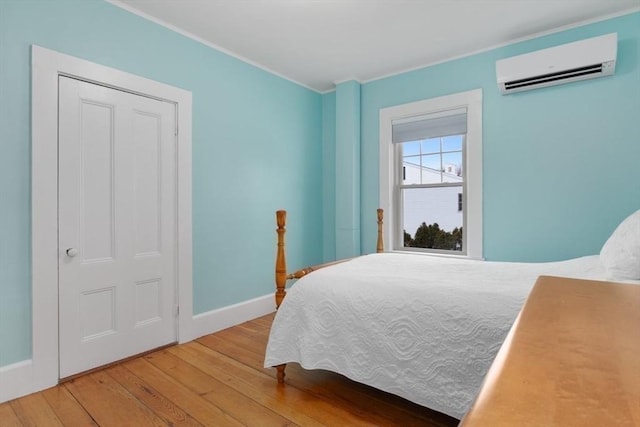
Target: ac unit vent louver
{"type": "Point", "coordinates": [585, 59]}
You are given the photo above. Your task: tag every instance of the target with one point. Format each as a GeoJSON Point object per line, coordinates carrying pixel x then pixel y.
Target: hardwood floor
{"type": "Point", "coordinates": [217, 380]}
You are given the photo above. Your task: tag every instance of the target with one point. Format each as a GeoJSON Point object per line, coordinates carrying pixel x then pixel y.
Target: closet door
{"type": "Point", "coordinates": [117, 225]}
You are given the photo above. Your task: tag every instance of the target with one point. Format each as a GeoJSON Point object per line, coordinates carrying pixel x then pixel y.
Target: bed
{"type": "Point", "coordinates": [421, 327]}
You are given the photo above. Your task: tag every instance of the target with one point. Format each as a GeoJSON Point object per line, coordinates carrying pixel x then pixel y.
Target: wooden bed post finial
{"type": "Point", "coordinates": [281, 264]}
{"type": "Point", "coordinates": [380, 245]}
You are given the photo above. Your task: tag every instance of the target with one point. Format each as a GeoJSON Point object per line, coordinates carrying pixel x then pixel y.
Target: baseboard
{"type": "Point", "coordinates": [15, 380]}
{"type": "Point", "coordinates": [225, 317]}
{"type": "Point", "coordinates": [19, 379]}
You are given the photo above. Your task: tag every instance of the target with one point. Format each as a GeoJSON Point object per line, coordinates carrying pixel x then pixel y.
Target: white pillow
{"type": "Point", "coordinates": [620, 254]}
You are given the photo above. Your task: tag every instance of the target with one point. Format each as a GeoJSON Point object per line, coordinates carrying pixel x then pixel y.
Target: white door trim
{"type": "Point", "coordinates": [46, 66]}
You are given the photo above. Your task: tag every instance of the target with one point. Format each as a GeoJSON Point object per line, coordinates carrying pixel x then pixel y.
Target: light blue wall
{"type": "Point", "coordinates": [329, 176]}
{"type": "Point", "coordinates": [347, 169]}
{"type": "Point", "coordinates": [256, 148]}
{"type": "Point", "coordinates": [561, 164]}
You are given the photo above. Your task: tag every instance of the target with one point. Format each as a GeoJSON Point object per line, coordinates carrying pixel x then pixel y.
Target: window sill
{"type": "Point", "coordinates": [438, 255]}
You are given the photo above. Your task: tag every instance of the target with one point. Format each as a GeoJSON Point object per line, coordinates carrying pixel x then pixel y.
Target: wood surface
{"type": "Point", "coordinates": [571, 359]}
{"type": "Point", "coordinates": [281, 263]}
{"type": "Point", "coordinates": [380, 242]}
{"type": "Point", "coordinates": [217, 380]}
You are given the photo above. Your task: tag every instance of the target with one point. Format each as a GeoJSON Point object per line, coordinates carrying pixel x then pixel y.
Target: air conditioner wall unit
{"type": "Point", "coordinates": [581, 60]}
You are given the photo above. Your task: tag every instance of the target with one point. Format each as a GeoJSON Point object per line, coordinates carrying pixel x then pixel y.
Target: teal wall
{"type": "Point", "coordinates": [329, 176]}
{"type": "Point", "coordinates": [561, 164]}
{"type": "Point", "coordinates": [347, 175]}
{"type": "Point", "coordinates": [257, 147]}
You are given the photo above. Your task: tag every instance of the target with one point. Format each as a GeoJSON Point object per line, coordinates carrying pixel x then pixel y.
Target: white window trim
{"type": "Point", "coordinates": [473, 164]}
{"type": "Point", "coordinates": [47, 65]}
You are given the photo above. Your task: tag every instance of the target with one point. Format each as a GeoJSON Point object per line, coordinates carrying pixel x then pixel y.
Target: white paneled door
{"type": "Point", "coordinates": [117, 225]}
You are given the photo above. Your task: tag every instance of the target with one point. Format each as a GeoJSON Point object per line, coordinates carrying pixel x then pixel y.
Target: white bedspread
{"type": "Point", "coordinates": [421, 327]}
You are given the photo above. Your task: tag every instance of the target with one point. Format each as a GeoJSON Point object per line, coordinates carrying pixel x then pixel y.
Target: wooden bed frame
{"type": "Point", "coordinates": [281, 266]}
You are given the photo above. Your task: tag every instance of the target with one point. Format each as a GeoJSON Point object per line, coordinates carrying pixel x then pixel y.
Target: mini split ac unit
{"type": "Point", "coordinates": [581, 60]}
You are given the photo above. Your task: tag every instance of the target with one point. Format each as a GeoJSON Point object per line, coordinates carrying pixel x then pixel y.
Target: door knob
{"type": "Point", "coordinates": [71, 252]}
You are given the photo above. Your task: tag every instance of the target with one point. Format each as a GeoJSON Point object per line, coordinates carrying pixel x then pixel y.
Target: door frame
{"type": "Point", "coordinates": [46, 66]}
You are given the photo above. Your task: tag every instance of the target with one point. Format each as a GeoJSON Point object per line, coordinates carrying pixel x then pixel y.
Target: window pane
{"type": "Point", "coordinates": [411, 172]}
{"type": "Point", "coordinates": [410, 148]}
{"type": "Point", "coordinates": [431, 169]}
{"type": "Point", "coordinates": [431, 145]}
{"type": "Point", "coordinates": [431, 218]}
{"type": "Point", "coordinates": [452, 143]}
{"type": "Point", "coordinates": [412, 160]}
{"type": "Point", "coordinates": [452, 165]}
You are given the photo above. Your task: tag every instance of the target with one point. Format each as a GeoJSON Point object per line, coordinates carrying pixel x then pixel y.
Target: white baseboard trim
{"type": "Point", "coordinates": [225, 317]}
{"type": "Point", "coordinates": [16, 380]}
{"type": "Point", "coordinates": [19, 379]}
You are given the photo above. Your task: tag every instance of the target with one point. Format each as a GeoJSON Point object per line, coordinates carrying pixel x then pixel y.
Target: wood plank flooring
{"type": "Point", "coordinates": [217, 380]}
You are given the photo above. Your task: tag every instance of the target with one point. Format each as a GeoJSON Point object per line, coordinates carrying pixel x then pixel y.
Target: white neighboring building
{"type": "Point", "coordinates": [436, 204]}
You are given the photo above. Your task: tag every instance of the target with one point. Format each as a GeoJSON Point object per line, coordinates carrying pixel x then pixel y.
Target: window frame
{"type": "Point", "coordinates": [391, 175]}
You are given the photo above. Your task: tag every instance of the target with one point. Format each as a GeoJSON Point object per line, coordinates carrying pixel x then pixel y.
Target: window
{"type": "Point", "coordinates": [431, 156]}
{"type": "Point", "coordinates": [431, 175]}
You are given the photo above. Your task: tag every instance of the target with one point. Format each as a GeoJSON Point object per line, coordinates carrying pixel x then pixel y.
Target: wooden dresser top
{"type": "Point", "coordinates": [572, 358]}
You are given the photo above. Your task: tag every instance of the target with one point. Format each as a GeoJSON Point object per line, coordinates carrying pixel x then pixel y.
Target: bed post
{"type": "Point", "coordinates": [280, 373]}
{"type": "Point", "coordinates": [380, 245]}
{"type": "Point", "coordinates": [281, 264]}
{"type": "Point", "coordinates": [281, 275]}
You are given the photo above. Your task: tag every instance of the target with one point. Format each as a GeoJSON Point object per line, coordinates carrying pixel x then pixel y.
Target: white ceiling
{"type": "Point", "coordinates": [318, 43]}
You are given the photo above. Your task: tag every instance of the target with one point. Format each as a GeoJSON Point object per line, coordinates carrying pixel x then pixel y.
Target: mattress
{"type": "Point", "coordinates": [421, 327]}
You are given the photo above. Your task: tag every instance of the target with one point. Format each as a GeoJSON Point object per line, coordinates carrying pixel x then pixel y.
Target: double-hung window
{"type": "Point", "coordinates": [432, 160]}
{"type": "Point", "coordinates": [431, 175]}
